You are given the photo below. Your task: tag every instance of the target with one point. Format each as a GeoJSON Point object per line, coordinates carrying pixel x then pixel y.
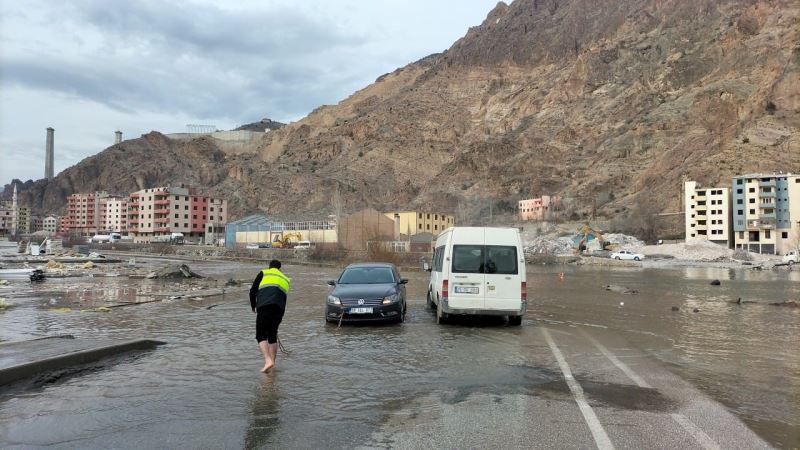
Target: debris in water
{"type": "Point", "coordinates": [182, 271]}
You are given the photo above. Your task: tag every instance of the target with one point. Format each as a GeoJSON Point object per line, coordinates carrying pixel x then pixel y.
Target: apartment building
{"type": "Point", "coordinates": [409, 223]}
{"type": "Point", "coordinates": [766, 212]}
{"type": "Point", "coordinates": [161, 211]}
{"type": "Point", "coordinates": [6, 219]}
{"type": "Point", "coordinates": [85, 213]}
{"type": "Point", "coordinates": [708, 213]}
{"type": "Point", "coordinates": [24, 220]}
{"type": "Point", "coordinates": [537, 208]}
{"type": "Point", "coordinates": [115, 214]}
{"type": "Point", "coordinates": [50, 224]}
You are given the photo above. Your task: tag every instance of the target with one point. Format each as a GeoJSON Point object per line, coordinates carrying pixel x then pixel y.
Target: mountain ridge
{"type": "Point", "coordinates": [612, 100]}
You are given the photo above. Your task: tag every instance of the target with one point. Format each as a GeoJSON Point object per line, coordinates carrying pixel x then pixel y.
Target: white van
{"type": "Point", "coordinates": [479, 271]}
{"type": "Point", "coordinates": [302, 245]}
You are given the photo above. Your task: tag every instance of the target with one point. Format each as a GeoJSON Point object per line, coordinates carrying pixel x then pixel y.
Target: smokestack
{"type": "Point", "coordinates": [48, 157]}
{"type": "Point", "coordinates": [117, 137]}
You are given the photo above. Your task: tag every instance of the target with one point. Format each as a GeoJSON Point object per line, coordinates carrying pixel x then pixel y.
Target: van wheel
{"type": "Point", "coordinates": [636, 258]}
{"type": "Point", "coordinates": [431, 306]}
{"type": "Point", "coordinates": [791, 262]}
{"type": "Point", "coordinates": [514, 321]}
{"type": "Point", "coordinates": [441, 318]}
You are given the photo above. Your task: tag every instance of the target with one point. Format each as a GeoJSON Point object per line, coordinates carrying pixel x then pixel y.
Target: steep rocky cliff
{"type": "Point", "coordinates": [617, 99]}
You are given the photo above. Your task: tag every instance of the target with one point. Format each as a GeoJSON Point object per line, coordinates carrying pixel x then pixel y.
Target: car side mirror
{"type": "Point", "coordinates": [331, 282]}
{"type": "Point", "coordinates": [403, 280]}
{"type": "Point", "coordinates": [426, 267]}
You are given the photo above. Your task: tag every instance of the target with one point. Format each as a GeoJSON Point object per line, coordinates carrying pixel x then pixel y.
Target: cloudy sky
{"type": "Point", "coordinates": [87, 68]}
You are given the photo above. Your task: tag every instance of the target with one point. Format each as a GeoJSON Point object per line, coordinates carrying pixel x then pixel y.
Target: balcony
{"type": "Point", "coordinates": [761, 224]}
{"type": "Point", "coordinates": [701, 207]}
{"type": "Point", "coordinates": [770, 194]}
{"type": "Point", "coordinates": [161, 220]}
{"type": "Point", "coordinates": [766, 205]}
{"type": "Point", "coordinates": [161, 229]}
{"type": "Point", "coordinates": [770, 183]}
{"type": "Point", "coordinates": [162, 202]}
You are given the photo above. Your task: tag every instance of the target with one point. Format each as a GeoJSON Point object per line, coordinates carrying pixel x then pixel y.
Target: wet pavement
{"type": "Point", "coordinates": [642, 375]}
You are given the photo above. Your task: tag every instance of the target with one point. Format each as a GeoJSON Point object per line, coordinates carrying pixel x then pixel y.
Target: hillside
{"type": "Point", "coordinates": [593, 100]}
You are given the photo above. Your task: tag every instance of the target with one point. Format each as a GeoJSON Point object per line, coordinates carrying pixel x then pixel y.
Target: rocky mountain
{"type": "Point", "coordinates": [609, 101]}
{"type": "Point", "coordinates": [265, 124]}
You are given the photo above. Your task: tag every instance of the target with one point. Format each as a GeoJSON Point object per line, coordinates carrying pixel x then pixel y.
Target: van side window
{"type": "Point", "coordinates": [438, 258]}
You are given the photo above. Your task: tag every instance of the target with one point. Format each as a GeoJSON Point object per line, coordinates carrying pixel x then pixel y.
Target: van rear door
{"type": "Point", "coordinates": [467, 283]}
{"type": "Point", "coordinates": [503, 280]}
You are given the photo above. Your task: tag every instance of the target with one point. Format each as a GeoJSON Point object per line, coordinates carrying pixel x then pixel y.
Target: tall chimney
{"type": "Point", "coordinates": [48, 158]}
{"type": "Point", "coordinates": [117, 137]}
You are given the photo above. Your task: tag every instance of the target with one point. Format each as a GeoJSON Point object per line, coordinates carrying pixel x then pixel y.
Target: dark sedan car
{"type": "Point", "coordinates": [367, 292]}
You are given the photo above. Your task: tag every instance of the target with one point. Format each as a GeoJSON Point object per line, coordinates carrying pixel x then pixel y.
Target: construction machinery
{"type": "Point", "coordinates": [286, 239]}
{"type": "Point", "coordinates": [588, 234]}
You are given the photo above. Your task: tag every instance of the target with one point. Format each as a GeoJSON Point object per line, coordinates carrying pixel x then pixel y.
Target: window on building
{"type": "Point", "coordinates": [752, 189]}
{"type": "Point", "coordinates": [419, 226]}
{"type": "Point", "coordinates": [185, 216]}
{"type": "Point", "coordinates": [186, 225]}
{"type": "Point", "coordinates": [177, 198]}
{"type": "Point", "coordinates": [784, 235]}
{"type": "Point", "coordinates": [752, 211]}
{"type": "Point", "coordinates": [195, 207]}
{"type": "Point", "coordinates": [740, 212]}
{"type": "Point", "coordinates": [428, 226]}
{"type": "Point", "coordinates": [428, 216]}
{"type": "Point", "coordinates": [212, 209]}
{"type": "Point", "coordinates": [204, 208]}
{"type": "Point", "coordinates": [739, 201]}
{"type": "Point", "coordinates": [176, 216]}
{"type": "Point", "coordinates": [175, 225]}
{"type": "Point", "coordinates": [420, 215]}
{"type": "Point", "coordinates": [435, 227]}
{"type": "Point", "coordinates": [767, 234]}
{"type": "Point", "coordinates": [194, 216]}
{"type": "Point", "coordinates": [204, 217]}
{"type": "Point", "coordinates": [186, 198]}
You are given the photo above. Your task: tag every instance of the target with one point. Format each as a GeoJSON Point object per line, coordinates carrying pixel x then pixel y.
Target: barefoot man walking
{"type": "Point", "coordinates": [268, 300]}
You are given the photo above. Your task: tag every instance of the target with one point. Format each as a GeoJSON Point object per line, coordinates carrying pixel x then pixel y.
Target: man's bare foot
{"type": "Point", "coordinates": [267, 367]}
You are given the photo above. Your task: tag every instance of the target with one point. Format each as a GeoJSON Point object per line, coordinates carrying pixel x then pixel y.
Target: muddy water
{"type": "Point", "coordinates": [338, 385]}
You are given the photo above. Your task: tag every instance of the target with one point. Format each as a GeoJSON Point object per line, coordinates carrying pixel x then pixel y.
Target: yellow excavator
{"type": "Point", "coordinates": [286, 240]}
{"type": "Point", "coordinates": [587, 234]}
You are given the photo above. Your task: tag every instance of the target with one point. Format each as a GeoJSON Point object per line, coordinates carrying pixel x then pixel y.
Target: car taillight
{"type": "Point", "coordinates": [445, 288]}
{"type": "Point", "coordinates": [524, 291]}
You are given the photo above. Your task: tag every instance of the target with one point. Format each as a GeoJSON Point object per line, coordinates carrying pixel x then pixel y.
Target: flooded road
{"type": "Point", "coordinates": [640, 366]}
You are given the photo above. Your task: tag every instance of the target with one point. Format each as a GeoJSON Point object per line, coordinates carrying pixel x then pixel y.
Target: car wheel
{"type": "Point", "coordinates": [514, 321]}
{"type": "Point", "coordinates": [617, 258]}
{"type": "Point", "coordinates": [636, 258]}
{"type": "Point", "coordinates": [791, 262]}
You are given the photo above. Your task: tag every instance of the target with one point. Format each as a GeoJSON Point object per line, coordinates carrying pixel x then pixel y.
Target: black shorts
{"type": "Point", "coordinates": [268, 318]}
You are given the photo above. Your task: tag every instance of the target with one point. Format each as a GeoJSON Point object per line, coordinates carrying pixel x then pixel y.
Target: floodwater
{"type": "Point", "coordinates": [338, 386]}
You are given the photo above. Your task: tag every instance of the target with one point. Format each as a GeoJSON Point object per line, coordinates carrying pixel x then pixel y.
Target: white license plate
{"type": "Point", "coordinates": [360, 310]}
{"type": "Point", "coordinates": [465, 289]}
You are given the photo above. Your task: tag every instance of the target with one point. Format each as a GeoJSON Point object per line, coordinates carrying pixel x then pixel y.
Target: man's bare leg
{"type": "Point", "coordinates": [269, 363]}
{"type": "Point", "coordinates": [273, 353]}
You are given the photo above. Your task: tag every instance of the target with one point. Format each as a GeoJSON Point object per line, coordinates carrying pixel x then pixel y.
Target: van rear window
{"type": "Point", "coordinates": [499, 259]}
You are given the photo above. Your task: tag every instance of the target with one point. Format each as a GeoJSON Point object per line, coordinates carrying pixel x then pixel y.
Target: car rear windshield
{"type": "Point", "coordinates": [499, 259]}
{"type": "Point", "coordinates": [367, 275]}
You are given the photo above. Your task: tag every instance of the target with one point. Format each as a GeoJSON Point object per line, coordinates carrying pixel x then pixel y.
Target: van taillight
{"type": "Point", "coordinates": [445, 288]}
{"type": "Point", "coordinates": [524, 288]}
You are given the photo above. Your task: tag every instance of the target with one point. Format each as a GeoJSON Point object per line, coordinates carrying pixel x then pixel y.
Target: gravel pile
{"type": "Point", "coordinates": [694, 251]}
{"type": "Point", "coordinates": [543, 245]}
{"type": "Point", "coordinates": [623, 240]}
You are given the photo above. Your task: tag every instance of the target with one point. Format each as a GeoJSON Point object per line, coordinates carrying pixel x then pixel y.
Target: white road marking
{"type": "Point", "coordinates": [698, 434]}
{"type": "Point", "coordinates": [598, 433]}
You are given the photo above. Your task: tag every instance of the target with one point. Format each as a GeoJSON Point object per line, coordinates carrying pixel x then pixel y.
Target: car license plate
{"type": "Point", "coordinates": [465, 289]}
{"type": "Point", "coordinates": [360, 310]}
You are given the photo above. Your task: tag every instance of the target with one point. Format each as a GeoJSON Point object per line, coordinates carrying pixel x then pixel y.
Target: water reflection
{"type": "Point", "coordinates": [265, 415]}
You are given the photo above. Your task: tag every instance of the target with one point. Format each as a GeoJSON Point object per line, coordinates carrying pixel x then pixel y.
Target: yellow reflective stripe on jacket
{"type": "Point", "coordinates": [274, 277]}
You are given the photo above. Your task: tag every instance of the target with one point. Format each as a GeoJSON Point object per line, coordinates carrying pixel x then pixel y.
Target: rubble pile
{"type": "Point", "coordinates": [694, 251]}
{"type": "Point", "coordinates": [543, 245]}
{"type": "Point", "coordinates": [623, 241]}
{"type": "Point", "coordinates": [182, 271]}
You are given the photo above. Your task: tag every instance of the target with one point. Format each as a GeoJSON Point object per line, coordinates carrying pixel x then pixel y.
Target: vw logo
{"type": "Point", "coordinates": [361, 301]}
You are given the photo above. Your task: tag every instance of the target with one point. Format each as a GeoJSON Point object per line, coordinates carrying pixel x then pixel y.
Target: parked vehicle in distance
{"type": "Point", "coordinates": [791, 257]}
{"type": "Point", "coordinates": [367, 292]}
{"type": "Point", "coordinates": [627, 254]}
{"type": "Point", "coordinates": [302, 245]}
{"type": "Point", "coordinates": [252, 246]}
{"type": "Point", "coordinates": [478, 271]}
{"type": "Point", "coordinates": [106, 238]}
